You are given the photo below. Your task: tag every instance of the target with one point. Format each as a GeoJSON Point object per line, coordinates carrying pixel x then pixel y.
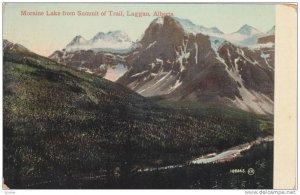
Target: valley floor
{"type": "Point", "coordinates": [227, 174]}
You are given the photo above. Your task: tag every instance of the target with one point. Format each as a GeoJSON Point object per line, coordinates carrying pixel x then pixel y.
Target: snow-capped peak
{"type": "Point", "coordinates": [77, 40]}
{"type": "Point", "coordinates": [99, 35]}
{"type": "Point", "coordinates": [216, 30]}
{"type": "Point", "coordinates": [245, 36]}
{"type": "Point", "coordinates": [112, 41]}
{"type": "Point", "coordinates": [159, 20]}
{"type": "Point", "coordinates": [190, 27]}
{"type": "Point", "coordinates": [185, 22]}
{"type": "Point", "coordinates": [118, 36]}
{"type": "Point", "coordinates": [248, 30]}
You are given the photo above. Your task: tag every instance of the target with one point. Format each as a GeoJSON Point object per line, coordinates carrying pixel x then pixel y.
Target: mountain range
{"type": "Point", "coordinates": [113, 41]}
{"type": "Point", "coordinates": [184, 66]}
{"type": "Point", "coordinates": [245, 36]}
{"type": "Point", "coordinates": [180, 61]}
{"type": "Point", "coordinates": [119, 42]}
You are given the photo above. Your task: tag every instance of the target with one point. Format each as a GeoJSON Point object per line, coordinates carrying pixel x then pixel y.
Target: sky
{"type": "Point", "coordinates": [45, 34]}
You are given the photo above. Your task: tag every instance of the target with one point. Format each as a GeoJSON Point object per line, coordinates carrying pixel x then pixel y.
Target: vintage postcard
{"type": "Point", "coordinates": [147, 96]}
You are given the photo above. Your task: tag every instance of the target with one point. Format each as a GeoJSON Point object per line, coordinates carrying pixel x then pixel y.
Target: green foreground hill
{"type": "Point", "coordinates": [61, 124]}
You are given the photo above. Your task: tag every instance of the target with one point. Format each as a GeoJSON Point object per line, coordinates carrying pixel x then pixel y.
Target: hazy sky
{"type": "Point", "coordinates": [45, 34]}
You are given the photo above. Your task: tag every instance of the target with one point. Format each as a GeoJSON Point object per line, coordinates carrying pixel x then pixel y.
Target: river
{"type": "Point", "coordinates": [226, 155]}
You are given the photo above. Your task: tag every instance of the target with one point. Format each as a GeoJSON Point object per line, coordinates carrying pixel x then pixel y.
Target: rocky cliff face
{"type": "Point", "coordinates": [110, 66]}
{"type": "Point", "coordinates": [9, 46]}
{"type": "Point", "coordinates": [102, 55]}
{"type": "Point", "coordinates": [253, 72]}
{"type": "Point", "coordinates": [194, 67]}
{"type": "Point", "coordinates": [181, 61]}
{"type": "Point", "coordinates": [267, 39]}
{"type": "Point", "coordinates": [167, 59]}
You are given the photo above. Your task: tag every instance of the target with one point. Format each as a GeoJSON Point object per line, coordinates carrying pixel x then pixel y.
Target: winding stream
{"type": "Point", "coordinates": [226, 155]}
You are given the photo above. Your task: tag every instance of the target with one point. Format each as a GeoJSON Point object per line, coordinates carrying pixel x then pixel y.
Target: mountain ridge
{"type": "Point", "coordinates": [183, 67]}
{"type": "Point", "coordinates": [112, 41]}
{"type": "Point", "coordinates": [182, 61]}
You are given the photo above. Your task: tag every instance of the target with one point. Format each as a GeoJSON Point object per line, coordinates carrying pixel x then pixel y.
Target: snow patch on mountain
{"type": "Point", "coordinates": [248, 30]}
{"type": "Point", "coordinates": [245, 36]}
{"type": "Point", "coordinates": [182, 55]}
{"type": "Point", "coordinates": [159, 20]}
{"type": "Point", "coordinates": [139, 74]}
{"type": "Point", "coordinates": [260, 46]}
{"type": "Point", "coordinates": [115, 72]}
{"type": "Point", "coordinates": [250, 100]}
{"type": "Point", "coordinates": [175, 86]}
{"type": "Point", "coordinates": [113, 41]}
{"type": "Point", "coordinates": [190, 27]}
{"type": "Point", "coordinates": [77, 40]}
{"type": "Point", "coordinates": [266, 57]}
{"type": "Point", "coordinates": [159, 85]}
{"type": "Point", "coordinates": [196, 54]}
{"type": "Point", "coordinates": [150, 45]}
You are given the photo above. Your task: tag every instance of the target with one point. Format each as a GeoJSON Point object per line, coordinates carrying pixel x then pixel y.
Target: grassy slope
{"type": "Point", "coordinates": [60, 124]}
